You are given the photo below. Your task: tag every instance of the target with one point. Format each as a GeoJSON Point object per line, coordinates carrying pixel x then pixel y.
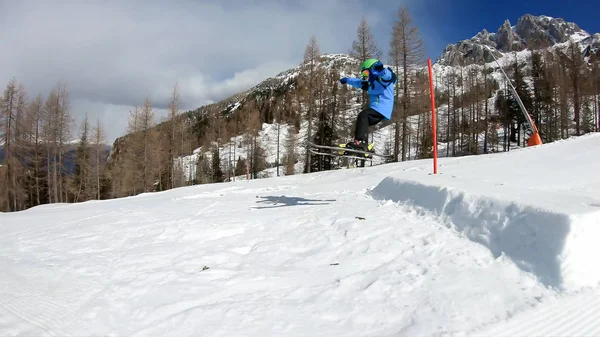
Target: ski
{"type": "Point", "coordinates": [343, 149]}
{"type": "Point", "coordinates": [337, 155]}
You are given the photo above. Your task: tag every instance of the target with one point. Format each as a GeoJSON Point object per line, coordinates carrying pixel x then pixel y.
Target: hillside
{"type": "Point", "coordinates": [485, 248]}
{"type": "Point", "coordinates": [69, 156]}
{"type": "Point", "coordinates": [261, 132]}
{"type": "Point", "coordinates": [470, 88]}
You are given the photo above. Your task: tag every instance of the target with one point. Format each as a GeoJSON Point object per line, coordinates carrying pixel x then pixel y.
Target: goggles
{"type": "Point", "coordinates": [365, 73]}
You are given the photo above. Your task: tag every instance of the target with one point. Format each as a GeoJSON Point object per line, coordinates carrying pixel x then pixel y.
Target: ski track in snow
{"type": "Point", "coordinates": [570, 315]}
{"type": "Point", "coordinates": [285, 257]}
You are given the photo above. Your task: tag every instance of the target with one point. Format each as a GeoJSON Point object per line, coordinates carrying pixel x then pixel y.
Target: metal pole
{"type": "Point", "coordinates": [514, 91]}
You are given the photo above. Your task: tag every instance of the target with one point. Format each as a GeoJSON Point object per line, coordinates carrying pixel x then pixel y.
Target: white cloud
{"type": "Point", "coordinates": [114, 54]}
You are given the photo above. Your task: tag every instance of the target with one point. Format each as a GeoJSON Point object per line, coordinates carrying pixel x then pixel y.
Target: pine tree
{"type": "Point", "coordinates": [364, 47]}
{"type": "Point", "coordinates": [203, 170]}
{"type": "Point", "coordinates": [258, 159]}
{"type": "Point", "coordinates": [542, 102]}
{"type": "Point", "coordinates": [82, 179]}
{"type": "Point", "coordinates": [312, 54]}
{"type": "Point", "coordinates": [552, 117]}
{"type": "Point", "coordinates": [290, 151]}
{"type": "Point", "coordinates": [486, 117]}
{"type": "Point", "coordinates": [595, 85]}
{"type": "Point", "coordinates": [325, 134]}
{"type": "Point", "coordinates": [7, 129]}
{"type": "Point", "coordinates": [240, 167]}
{"type": "Point", "coordinates": [129, 173]}
{"type": "Point", "coordinates": [406, 50]}
{"type": "Point", "coordinates": [576, 67]}
{"type": "Point", "coordinates": [175, 138]}
{"type": "Point", "coordinates": [98, 139]}
{"type": "Point", "coordinates": [56, 132]}
{"type": "Point", "coordinates": [217, 172]}
{"type": "Point", "coordinates": [517, 115]}
{"type": "Point", "coordinates": [38, 186]}
{"type": "Point", "coordinates": [148, 169]}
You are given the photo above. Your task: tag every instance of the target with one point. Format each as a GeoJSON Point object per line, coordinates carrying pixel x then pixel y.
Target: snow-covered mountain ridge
{"type": "Point", "coordinates": [509, 44]}
{"type": "Point", "coordinates": [345, 64]}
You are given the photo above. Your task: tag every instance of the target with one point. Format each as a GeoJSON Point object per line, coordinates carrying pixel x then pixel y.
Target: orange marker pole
{"type": "Point", "coordinates": [433, 121]}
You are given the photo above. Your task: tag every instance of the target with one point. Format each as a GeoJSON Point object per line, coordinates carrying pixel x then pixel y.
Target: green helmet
{"type": "Point", "coordinates": [368, 63]}
{"type": "Point", "coordinates": [365, 67]}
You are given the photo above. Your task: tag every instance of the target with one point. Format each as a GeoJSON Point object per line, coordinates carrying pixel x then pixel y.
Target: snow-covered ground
{"type": "Point", "coordinates": [502, 244]}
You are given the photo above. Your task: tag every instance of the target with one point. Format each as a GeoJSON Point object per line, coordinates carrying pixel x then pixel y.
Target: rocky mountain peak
{"type": "Point", "coordinates": [591, 45]}
{"type": "Point", "coordinates": [530, 32]}
{"type": "Point", "coordinates": [505, 38]}
{"type": "Point", "coordinates": [544, 31]}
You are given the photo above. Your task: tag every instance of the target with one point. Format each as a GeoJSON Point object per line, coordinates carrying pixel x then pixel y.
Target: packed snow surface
{"type": "Point", "coordinates": [502, 244]}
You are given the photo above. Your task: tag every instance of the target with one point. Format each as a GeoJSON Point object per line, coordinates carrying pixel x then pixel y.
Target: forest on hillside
{"type": "Point", "coordinates": [560, 90]}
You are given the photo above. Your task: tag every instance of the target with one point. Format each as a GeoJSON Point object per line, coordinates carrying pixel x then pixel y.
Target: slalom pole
{"type": "Point", "coordinates": [433, 119]}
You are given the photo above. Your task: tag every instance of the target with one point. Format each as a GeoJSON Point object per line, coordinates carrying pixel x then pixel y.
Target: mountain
{"type": "Point", "coordinates": [266, 97]}
{"type": "Point", "coordinates": [278, 85]}
{"type": "Point", "coordinates": [553, 68]}
{"type": "Point", "coordinates": [69, 156]}
{"type": "Point", "coordinates": [530, 32]}
{"type": "Point", "coordinates": [475, 112]}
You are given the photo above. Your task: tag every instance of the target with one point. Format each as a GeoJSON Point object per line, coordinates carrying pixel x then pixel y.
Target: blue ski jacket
{"type": "Point", "coordinates": [380, 90]}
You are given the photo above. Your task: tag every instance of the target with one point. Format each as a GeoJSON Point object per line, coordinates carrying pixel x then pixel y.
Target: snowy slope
{"type": "Point", "coordinates": [383, 136]}
{"type": "Point", "coordinates": [472, 53]}
{"type": "Point", "coordinates": [543, 215]}
{"type": "Point", "coordinates": [479, 249]}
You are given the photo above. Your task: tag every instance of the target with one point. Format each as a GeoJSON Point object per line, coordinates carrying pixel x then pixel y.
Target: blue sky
{"type": "Point", "coordinates": [114, 54]}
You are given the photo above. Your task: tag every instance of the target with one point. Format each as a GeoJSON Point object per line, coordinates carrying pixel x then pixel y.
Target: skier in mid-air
{"type": "Point", "coordinates": [379, 82]}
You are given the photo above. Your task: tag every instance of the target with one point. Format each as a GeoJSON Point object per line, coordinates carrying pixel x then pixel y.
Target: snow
{"type": "Point", "coordinates": [560, 316]}
{"type": "Point", "coordinates": [236, 147]}
{"type": "Point", "coordinates": [232, 149]}
{"type": "Point", "coordinates": [501, 244]}
{"type": "Point", "coordinates": [522, 215]}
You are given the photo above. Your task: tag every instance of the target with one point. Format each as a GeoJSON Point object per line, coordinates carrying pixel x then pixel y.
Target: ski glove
{"type": "Point", "coordinates": [343, 80]}
{"type": "Point", "coordinates": [376, 69]}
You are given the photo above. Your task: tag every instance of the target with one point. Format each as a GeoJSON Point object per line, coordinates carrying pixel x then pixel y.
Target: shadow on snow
{"type": "Point", "coordinates": [283, 201]}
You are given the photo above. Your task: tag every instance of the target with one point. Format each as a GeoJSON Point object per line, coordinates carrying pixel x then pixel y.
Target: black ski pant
{"type": "Point", "coordinates": [366, 118]}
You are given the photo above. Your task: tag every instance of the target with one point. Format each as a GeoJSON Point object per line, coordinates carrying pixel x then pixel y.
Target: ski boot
{"type": "Point", "coordinates": [357, 145]}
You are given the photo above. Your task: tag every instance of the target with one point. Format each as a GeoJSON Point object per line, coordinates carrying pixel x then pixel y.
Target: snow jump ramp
{"type": "Point", "coordinates": [538, 206]}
